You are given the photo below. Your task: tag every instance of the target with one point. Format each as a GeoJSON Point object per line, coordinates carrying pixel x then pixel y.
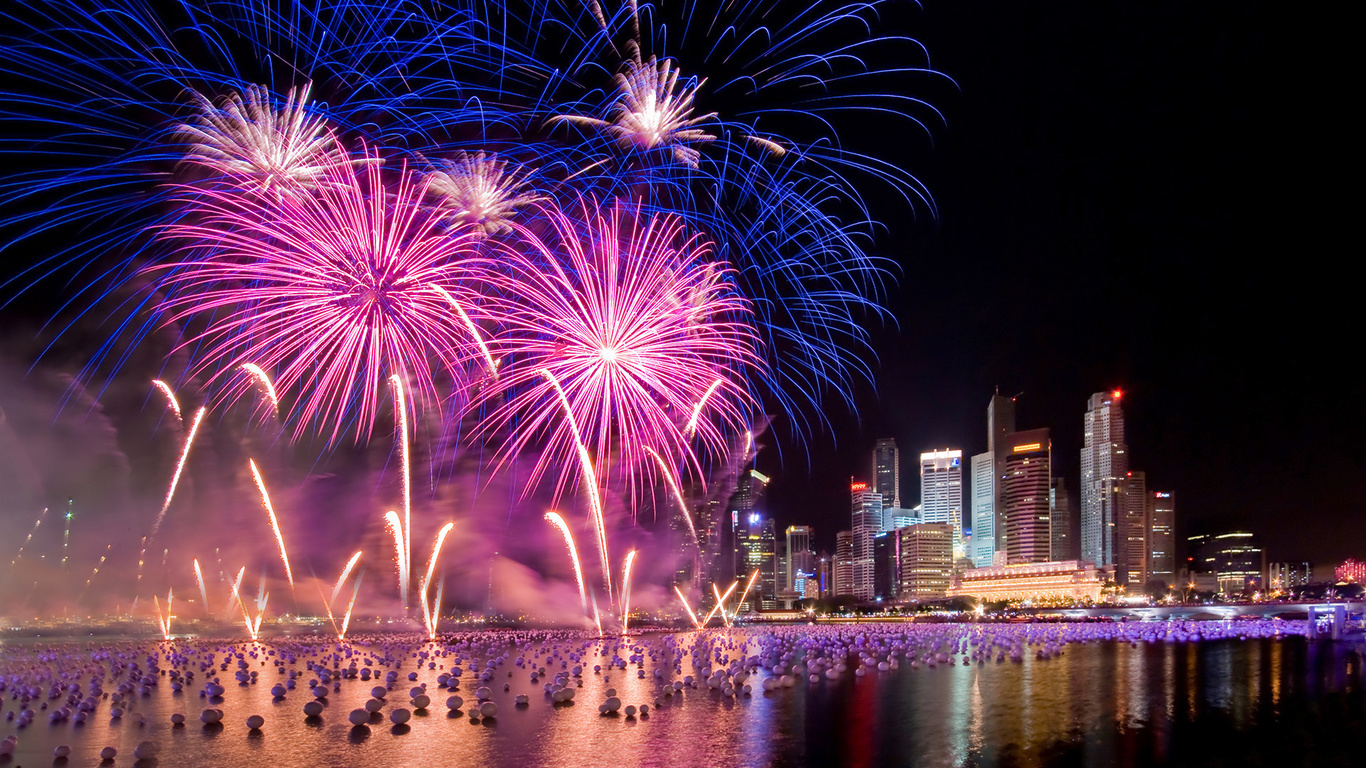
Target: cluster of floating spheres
{"type": "Point", "coordinates": [397, 676]}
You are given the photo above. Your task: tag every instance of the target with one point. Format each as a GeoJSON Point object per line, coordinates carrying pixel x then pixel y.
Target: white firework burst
{"type": "Point", "coordinates": [251, 135]}
{"type": "Point", "coordinates": [652, 110]}
{"type": "Point", "coordinates": [480, 192]}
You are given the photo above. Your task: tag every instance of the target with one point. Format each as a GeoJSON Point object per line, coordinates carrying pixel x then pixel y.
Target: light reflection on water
{"type": "Point", "coordinates": [1099, 704]}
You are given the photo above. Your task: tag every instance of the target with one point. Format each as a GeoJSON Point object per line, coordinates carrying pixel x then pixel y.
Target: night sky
{"type": "Point", "coordinates": [1130, 195]}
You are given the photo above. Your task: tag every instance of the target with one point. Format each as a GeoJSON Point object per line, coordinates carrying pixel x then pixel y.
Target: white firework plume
{"type": "Point", "coordinates": [480, 192]}
{"type": "Point", "coordinates": [652, 110]}
{"type": "Point", "coordinates": [251, 135]}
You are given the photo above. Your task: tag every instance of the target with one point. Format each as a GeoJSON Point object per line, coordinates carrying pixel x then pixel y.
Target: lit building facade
{"type": "Point", "coordinates": [1285, 576]}
{"type": "Point", "coordinates": [842, 570]}
{"type": "Point", "coordinates": [1067, 581]}
{"type": "Point", "coordinates": [1134, 573]}
{"type": "Point", "coordinates": [1060, 518]}
{"type": "Point", "coordinates": [801, 561]}
{"type": "Point", "coordinates": [941, 491]}
{"type": "Point", "coordinates": [1161, 528]}
{"type": "Point", "coordinates": [924, 561]}
{"type": "Point", "coordinates": [1235, 559]}
{"type": "Point", "coordinates": [1104, 464]}
{"type": "Point", "coordinates": [983, 507]}
{"type": "Point", "coordinates": [887, 471]}
{"type": "Point", "coordinates": [1026, 483]}
{"type": "Point", "coordinates": [757, 551]}
{"type": "Point", "coordinates": [1351, 572]}
{"type": "Point", "coordinates": [866, 512]}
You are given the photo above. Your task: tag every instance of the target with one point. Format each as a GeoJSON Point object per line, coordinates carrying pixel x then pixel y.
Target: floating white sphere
{"type": "Point", "coordinates": [399, 716]}
{"type": "Point", "coordinates": [358, 717]}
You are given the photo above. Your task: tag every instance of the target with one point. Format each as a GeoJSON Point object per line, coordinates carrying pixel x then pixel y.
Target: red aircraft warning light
{"type": "Point", "coordinates": [1117, 394]}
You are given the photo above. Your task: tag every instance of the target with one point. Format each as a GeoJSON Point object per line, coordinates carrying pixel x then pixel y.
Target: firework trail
{"type": "Point", "coordinates": [395, 526]}
{"type": "Point", "coordinates": [687, 607]}
{"type": "Point", "coordinates": [355, 592]}
{"type": "Point", "coordinates": [678, 494]}
{"type": "Point", "coordinates": [720, 601]}
{"type": "Point", "coordinates": [266, 385]}
{"type": "Point", "coordinates": [626, 591]}
{"type": "Point", "coordinates": [739, 605]}
{"type": "Point", "coordinates": [164, 625]}
{"type": "Point", "coordinates": [171, 401]}
{"type": "Point", "coordinates": [623, 318]}
{"type": "Point", "coordinates": [401, 425]}
{"type": "Point", "coordinates": [697, 409]}
{"type": "Point", "coordinates": [334, 290]}
{"type": "Point", "coordinates": [236, 587]}
{"type": "Point", "coordinates": [179, 467]}
{"type": "Point", "coordinates": [590, 479]}
{"type": "Point", "coordinates": [203, 589]}
{"type": "Point", "coordinates": [274, 523]}
{"type": "Point", "coordinates": [431, 612]}
{"type": "Point", "coordinates": [490, 363]}
{"type": "Point", "coordinates": [558, 521]}
{"type": "Point", "coordinates": [29, 537]}
{"type": "Point", "coordinates": [345, 572]}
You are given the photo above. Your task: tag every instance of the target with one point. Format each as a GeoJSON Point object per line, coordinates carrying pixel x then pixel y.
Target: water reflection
{"type": "Point", "coordinates": [1099, 704]}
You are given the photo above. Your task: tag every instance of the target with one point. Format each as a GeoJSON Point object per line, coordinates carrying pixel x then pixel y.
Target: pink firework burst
{"type": "Point", "coordinates": [631, 319]}
{"type": "Point", "coordinates": [333, 290]}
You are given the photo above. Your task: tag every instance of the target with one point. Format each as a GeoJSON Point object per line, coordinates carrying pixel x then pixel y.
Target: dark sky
{"type": "Point", "coordinates": [1137, 195]}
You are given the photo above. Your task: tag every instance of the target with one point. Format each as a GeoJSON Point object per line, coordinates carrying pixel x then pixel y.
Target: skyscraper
{"type": "Point", "coordinates": [983, 509]}
{"type": "Point", "coordinates": [1162, 537]}
{"type": "Point", "coordinates": [1134, 573]}
{"type": "Point", "coordinates": [800, 559]}
{"type": "Point", "coordinates": [941, 492]}
{"type": "Point", "coordinates": [1026, 483]}
{"type": "Point", "coordinates": [1104, 464]}
{"type": "Point", "coordinates": [1061, 518]}
{"type": "Point", "coordinates": [756, 546]}
{"type": "Point", "coordinates": [887, 471]}
{"type": "Point", "coordinates": [987, 495]}
{"type": "Point", "coordinates": [843, 570]}
{"type": "Point", "coordinates": [866, 508]}
{"type": "Point", "coordinates": [1000, 423]}
{"type": "Point", "coordinates": [926, 561]}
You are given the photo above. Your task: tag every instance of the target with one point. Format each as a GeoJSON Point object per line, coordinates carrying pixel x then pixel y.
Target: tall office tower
{"type": "Point", "coordinates": [800, 558]}
{"type": "Point", "coordinates": [887, 471]}
{"type": "Point", "coordinates": [898, 517]}
{"type": "Point", "coordinates": [866, 507]}
{"type": "Point", "coordinates": [749, 489]}
{"type": "Point", "coordinates": [783, 582]}
{"type": "Point", "coordinates": [757, 544]}
{"type": "Point", "coordinates": [843, 569]}
{"type": "Point", "coordinates": [825, 579]}
{"type": "Point", "coordinates": [983, 505]}
{"type": "Point", "coordinates": [941, 492]}
{"type": "Point", "coordinates": [1060, 519]}
{"type": "Point", "coordinates": [926, 561]}
{"type": "Point", "coordinates": [885, 566]}
{"type": "Point", "coordinates": [1000, 423]}
{"type": "Point", "coordinates": [1026, 482]}
{"type": "Point", "coordinates": [1162, 537]}
{"type": "Point", "coordinates": [1104, 464]}
{"type": "Point", "coordinates": [1134, 571]}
